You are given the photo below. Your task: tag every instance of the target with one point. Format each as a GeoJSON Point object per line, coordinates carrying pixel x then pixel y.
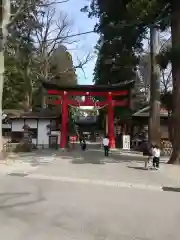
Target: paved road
{"type": "Point", "coordinates": [33, 209]}
{"type": "Point", "coordinates": [93, 165]}
{"type": "Point", "coordinates": [84, 196]}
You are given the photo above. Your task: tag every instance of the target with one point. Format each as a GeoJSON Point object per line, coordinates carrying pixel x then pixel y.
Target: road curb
{"type": "Point", "coordinates": [28, 173]}
{"type": "Point", "coordinates": [96, 182]}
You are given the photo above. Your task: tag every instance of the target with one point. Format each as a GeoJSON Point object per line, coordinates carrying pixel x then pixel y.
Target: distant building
{"type": "Point", "coordinates": [43, 126]}
{"type": "Point", "coordinates": [140, 120]}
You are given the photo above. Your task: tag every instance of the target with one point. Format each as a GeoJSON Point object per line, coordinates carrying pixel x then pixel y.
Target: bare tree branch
{"type": "Point", "coordinates": [75, 35]}
{"type": "Point", "coordinates": [165, 44]}
{"type": "Point", "coordinates": [46, 44]}
{"type": "Point", "coordinates": [82, 63]}
{"type": "Point", "coordinates": [166, 80]}
{"type": "Point", "coordinates": [24, 7]}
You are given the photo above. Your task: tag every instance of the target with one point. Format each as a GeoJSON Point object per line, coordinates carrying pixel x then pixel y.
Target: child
{"type": "Point", "coordinates": [156, 152]}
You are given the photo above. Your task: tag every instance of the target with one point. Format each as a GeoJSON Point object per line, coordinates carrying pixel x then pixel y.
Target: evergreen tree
{"type": "Point", "coordinates": [119, 46]}
{"type": "Point", "coordinates": [19, 57]}
{"type": "Point", "coordinates": [120, 42]}
{"type": "Point", "coordinates": [145, 13]}
{"type": "Point", "coordinates": [167, 13]}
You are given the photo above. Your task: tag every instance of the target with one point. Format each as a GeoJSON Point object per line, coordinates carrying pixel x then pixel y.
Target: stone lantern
{"type": "Point", "coordinates": [27, 134]}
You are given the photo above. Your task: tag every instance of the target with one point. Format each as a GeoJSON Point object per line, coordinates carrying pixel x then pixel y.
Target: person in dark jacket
{"type": "Point", "coordinates": [147, 152]}
{"type": "Point", "coordinates": [82, 142]}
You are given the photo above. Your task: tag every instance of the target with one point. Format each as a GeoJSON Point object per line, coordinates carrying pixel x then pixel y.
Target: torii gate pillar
{"type": "Point", "coordinates": [111, 121]}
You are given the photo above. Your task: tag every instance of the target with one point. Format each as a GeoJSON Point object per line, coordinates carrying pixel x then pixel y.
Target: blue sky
{"type": "Point", "coordinates": [86, 43]}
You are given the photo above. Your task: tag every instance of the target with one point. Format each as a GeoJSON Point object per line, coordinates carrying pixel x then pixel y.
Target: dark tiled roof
{"type": "Point", "coordinates": [89, 88]}
{"type": "Point", "coordinates": [145, 112]}
{"type": "Point", "coordinates": [43, 113]}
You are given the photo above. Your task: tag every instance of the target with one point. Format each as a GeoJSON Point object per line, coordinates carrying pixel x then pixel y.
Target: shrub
{"type": "Point", "coordinates": [23, 147]}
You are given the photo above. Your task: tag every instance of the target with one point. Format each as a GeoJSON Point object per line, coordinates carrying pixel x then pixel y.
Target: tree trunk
{"type": "Point", "coordinates": [44, 95]}
{"type": "Point", "coordinates": [1, 95]}
{"type": "Point", "coordinates": [154, 119]}
{"type": "Point", "coordinates": [27, 102]}
{"type": "Point", "coordinates": [5, 17]}
{"type": "Point", "coordinates": [28, 91]}
{"type": "Point", "coordinates": [170, 128]}
{"type": "Point", "coordinates": [175, 31]}
{"type": "Point", "coordinates": [43, 101]}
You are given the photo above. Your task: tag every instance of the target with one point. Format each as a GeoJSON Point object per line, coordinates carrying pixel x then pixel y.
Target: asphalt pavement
{"type": "Point", "coordinates": [38, 209]}
{"type": "Point", "coordinates": [79, 195]}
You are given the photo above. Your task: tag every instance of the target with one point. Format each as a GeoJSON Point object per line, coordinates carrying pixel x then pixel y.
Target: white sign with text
{"type": "Point", "coordinates": [126, 142]}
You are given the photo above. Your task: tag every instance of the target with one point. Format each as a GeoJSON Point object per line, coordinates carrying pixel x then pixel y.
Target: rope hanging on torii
{"type": "Point", "coordinates": [95, 109]}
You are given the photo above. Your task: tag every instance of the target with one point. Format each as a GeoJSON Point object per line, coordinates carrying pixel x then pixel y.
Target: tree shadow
{"type": "Point", "coordinates": [14, 174]}
{"type": "Point", "coordinates": [88, 161]}
{"type": "Point", "coordinates": [114, 157]}
{"type": "Point", "coordinates": [86, 158]}
{"type": "Point", "coordinates": [138, 168]}
{"type": "Point", "coordinates": [142, 168]}
{"type": "Point", "coordinates": [14, 196]}
{"type": "Point", "coordinates": [171, 189]}
{"type": "Point", "coordinates": [94, 157]}
{"type": "Point", "coordinates": [46, 160]}
{"type": "Point", "coordinates": [20, 204]}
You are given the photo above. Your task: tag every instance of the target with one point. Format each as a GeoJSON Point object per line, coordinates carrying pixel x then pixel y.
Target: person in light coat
{"type": "Point", "coordinates": [106, 146]}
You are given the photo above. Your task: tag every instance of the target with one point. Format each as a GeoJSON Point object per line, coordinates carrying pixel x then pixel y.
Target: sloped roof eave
{"type": "Point", "coordinates": [142, 113]}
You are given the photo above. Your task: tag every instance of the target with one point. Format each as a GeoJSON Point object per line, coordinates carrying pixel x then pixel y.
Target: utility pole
{"type": "Point", "coordinates": [154, 118]}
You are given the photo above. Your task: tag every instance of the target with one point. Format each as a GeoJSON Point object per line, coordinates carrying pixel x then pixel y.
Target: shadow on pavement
{"type": "Point", "coordinates": [16, 198]}
{"type": "Point", "coordinates": [171, 189]}
{"type": "Point", "coordinates": [138, 168]}
{"type": "Point", "coordinates": [97, 157]}
{"type": "Point", "coordinates": [14, 174]}
{"type": "Point", "coordinates": [93, 155]}
{"type": "Point", "coordinates": [13, 194]}
{"type": "Point", "coordinates": [142, 168]}
{"type": "Point", "coordinates": [87, 161]}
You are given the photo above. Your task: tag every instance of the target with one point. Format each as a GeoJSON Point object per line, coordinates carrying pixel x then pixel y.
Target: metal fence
{"type": "Point", "coordinates": [166, 147]}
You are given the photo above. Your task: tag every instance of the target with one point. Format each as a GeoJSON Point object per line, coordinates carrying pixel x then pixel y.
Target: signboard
{"type": "Point", "coordinates": [126, 142]}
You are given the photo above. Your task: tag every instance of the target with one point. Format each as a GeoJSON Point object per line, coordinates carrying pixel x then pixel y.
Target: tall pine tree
{"type": "Point", "coordinates": [120, 41]}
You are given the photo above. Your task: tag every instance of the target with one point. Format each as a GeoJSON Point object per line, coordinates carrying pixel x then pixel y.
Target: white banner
{"type": "Point", "coordinates": [126, 142]}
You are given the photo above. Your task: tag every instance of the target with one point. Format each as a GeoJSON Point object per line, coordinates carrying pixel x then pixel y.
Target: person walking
{"type": "Point", "coordinates": [106, 146]}
{"type": "Point", "coordinates": [147, 152]}
{"type": "Point", "coordinates": [68, 143]}
{"type": "Point", "coordinates": [83, 144]}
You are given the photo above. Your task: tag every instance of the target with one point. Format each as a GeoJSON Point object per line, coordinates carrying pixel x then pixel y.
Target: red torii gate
{"type": "Point", "coordinates": [108, 92]}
